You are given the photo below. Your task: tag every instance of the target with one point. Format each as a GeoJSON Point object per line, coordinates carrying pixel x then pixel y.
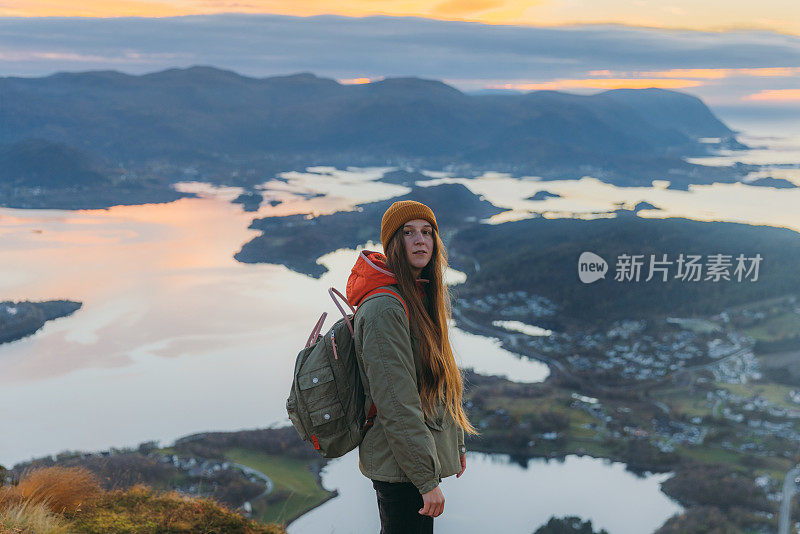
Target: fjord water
{"type": "Point", "coordinates": [176, 337]}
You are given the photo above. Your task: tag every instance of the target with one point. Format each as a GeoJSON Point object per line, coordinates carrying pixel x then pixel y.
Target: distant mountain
{"type": "Point", "coordinates": [677, 111]}
{"type": "Point", "coordinates": [203, 113]}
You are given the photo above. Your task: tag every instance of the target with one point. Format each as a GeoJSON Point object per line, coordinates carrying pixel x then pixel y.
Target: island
{"type": "Point", "coordinates": [24, 318]}
{"type": "Point", "coordinates": [296, 240]}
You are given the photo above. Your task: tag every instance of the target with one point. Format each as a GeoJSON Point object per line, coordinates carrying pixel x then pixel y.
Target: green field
{"type": "Point", "coordinates": [781, 326]}
{"type": "Point", "coordinates": [679, 400]}
{"type": "Point", "coordinates": [777, 394]}
{"type": "Point", "coordinates": [296, 489]}
{"type": "Point", "coordinates": [576, 436]}
{"type": "Point", "coordinates": [781, 366]}
{"type": "Point", "coordinates": [708, 454]}
{"type": "Point", "coordinates": [775, 467]}
{"type": "Point", "coordinates": [520, 407]}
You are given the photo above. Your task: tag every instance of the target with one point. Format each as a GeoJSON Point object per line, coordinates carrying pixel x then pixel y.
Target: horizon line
{"type": "Point", "coordinates": [755, 100]}
{"type": "Point", "coordinates": [564, 25]}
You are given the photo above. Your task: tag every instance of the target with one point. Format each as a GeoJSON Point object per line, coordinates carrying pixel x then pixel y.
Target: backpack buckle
{"type": "Point", "coordinates": [370, 419]}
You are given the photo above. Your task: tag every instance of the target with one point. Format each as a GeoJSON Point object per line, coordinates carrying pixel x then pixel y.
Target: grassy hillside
{"type": "Point", "coordinates": [58, 500]}
{"type": "Point", "coordinates": [296, 488]}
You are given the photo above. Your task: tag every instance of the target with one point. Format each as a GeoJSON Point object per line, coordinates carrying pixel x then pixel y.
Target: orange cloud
{"type": "Point", "coordinates": [708, 74]}
{"type": "Point", "coordinates": [95, 8]}
{"type": "Point", "coordinates": [485, 11]}
{"type": "Point", "coordinates": [601, 83]}
{"type": "Point", "coordinates": [357, 81]}
{"type": "Point", "coordinates": [775, 95]}
{"type": "Point", "coordinates": [709, 15]}
{"type": "Point", "coordinates": [459, 8]}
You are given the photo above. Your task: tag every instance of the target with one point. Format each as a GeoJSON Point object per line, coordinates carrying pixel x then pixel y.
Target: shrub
{"type": "Point", "coordinates": [61, 489]}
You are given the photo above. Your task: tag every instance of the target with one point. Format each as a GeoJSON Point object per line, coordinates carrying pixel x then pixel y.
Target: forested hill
{"type": "Point", "coordinates": [541, 255]}
{"type": "Point", "coordinates": [207, 113]}
{"type": "Point", "coordinates": [38, 163]}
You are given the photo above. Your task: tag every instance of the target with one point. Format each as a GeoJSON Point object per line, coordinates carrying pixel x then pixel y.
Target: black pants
{"type": "Point", "coordinates": [398, 505]}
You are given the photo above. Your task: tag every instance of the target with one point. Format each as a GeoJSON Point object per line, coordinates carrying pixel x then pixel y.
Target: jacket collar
{"type": "Point", "coordinates": [370, 272]}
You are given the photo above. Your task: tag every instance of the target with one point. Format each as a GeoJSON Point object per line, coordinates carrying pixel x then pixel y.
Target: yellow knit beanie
{"type": "Point", "coordinates": [400, 213]}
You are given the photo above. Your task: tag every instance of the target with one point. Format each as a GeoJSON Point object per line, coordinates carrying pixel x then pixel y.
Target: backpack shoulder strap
{"type": "Point", "coordinates": [388, 291]}
{"type": "Point", "coordinates": [373, 411]}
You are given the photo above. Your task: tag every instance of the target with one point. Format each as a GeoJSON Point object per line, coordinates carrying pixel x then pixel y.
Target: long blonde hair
{"type": "Point", "coordinates": [439, 377]}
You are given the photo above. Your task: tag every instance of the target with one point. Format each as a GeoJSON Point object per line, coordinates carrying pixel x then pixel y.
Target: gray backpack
{"type": "Point", "coordinates": [326, 403]}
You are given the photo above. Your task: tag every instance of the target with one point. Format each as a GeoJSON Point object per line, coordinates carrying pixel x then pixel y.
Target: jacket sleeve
{"type": "Point", "coordinates": [389, 366]}
{"type": "Point", "coordinates": [461, 447]}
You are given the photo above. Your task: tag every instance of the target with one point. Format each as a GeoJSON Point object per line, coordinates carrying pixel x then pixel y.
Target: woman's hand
{"type": "Point", "coordinates": [463, 465]}
{"type": "Point", "coordinates": [432, 503]}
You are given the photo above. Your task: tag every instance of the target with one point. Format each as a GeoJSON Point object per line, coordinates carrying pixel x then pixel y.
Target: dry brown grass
{"type": "Point", "coordinates": [33, 518]}
{"type": "Point", "coordinates": [9, 497]}
{"type": "Point", "coordinates": [61, 489]}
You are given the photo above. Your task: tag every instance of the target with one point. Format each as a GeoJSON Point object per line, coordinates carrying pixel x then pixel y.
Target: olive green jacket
{"type": "Point", "coordinates": [403, 444]}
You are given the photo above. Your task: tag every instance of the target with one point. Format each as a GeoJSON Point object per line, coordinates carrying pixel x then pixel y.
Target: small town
{"type": "Point", "coordinates": [696, 386]}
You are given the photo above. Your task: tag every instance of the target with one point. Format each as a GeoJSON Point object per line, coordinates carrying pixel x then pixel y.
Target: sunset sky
{"type": "Point", "coordinates": [727, 52]}
{"type": "Point", "coordinates": [714, 15]}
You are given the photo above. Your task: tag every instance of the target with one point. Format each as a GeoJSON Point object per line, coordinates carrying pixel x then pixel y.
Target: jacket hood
{"type": "Point", "coordinates": [370, 272]}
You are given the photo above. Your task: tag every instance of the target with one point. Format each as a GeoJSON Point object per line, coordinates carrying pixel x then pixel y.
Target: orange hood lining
{"type": "Point", "coordinates": [370, 272]}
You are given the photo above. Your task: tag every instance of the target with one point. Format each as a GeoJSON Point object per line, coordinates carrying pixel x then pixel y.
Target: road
{"type": "Point", "coordinates": [789, 488]}
{"type": "Point", "coordinates": [258, 474]}
{"type": "Point", "coordinates": [740, 352]}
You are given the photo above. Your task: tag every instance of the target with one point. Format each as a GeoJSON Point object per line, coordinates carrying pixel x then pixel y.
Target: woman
{"type": "Point", "coordinates": [408, 370]}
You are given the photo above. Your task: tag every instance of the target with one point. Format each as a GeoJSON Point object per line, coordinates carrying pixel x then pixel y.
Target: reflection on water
{"type": "Point", "coordinates": [496, 495]}
{"type": "Point", "coordinates": [487, 357]}
{"type": "Point", "coordinates": [767, 150]}
{"type": "Point", "coordinates": [590, 198]}
{"type": "Point", "coordinates": [174, 336]}
{"type": "Point", "coordinates": [318, 191]}
{"type": "Point", "coordinates": [586, 197]}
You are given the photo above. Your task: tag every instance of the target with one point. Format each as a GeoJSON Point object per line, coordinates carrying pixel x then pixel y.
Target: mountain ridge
{"type": "Point", "coordinates": [203, 112]}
